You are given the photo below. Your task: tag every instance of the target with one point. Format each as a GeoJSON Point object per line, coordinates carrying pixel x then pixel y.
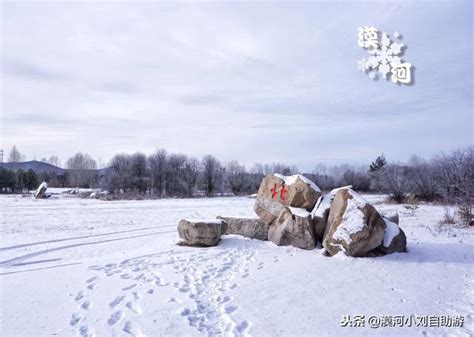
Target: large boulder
{"type": "Point", "coordinates": [354, 226]}
{"type": "Point", "coordinates": [40, 192]}
{"type": "Point", "coordinates": [201, 233]}
{"type": "Point", "coordinates": [394, 239]}
{"type": "Point", "coordinates": [249, 227]}
{"type": "Point", "coordinates": [320, 213]}
{"type": "Point", "coordinates": [294, 227]}
{"type": "Point", "coordinates": [277, 191]}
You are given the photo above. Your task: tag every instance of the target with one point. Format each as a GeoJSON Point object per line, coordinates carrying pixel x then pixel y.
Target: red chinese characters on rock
{"type": "Point", "coordinates": [274, 191]}
{"type": "Point", "coordinates": [283, 191]}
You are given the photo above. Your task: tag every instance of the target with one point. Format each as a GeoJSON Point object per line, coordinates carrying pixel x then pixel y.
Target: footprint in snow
{"type": "Point", "coordinates": [86, 305]}
{"type": "Point", "coordinates": [172, 299]}
{"type": "Point", "coordinates": [136, 296]}
{"type": "Point", "coordinates": [116, 301]}
{"type": "Point", "coordinates": [225, 299]}
{"type": "Point", "coordinates": [231, 309]}
{"type": "Point", "coordinates": [75, 319]}
{"type": "Point", "coordinates": [91, 286]}
{"type": "Point", "coordinates": [85, 331]}
{"type": "Point", "coordinates": [129, 287]}
{"type": "Point", "coordinates": [115, 317]}
{"type": "Point", "coordinates": [92, 279]}
{"type": "Point", "coordinates": [133, 329]}
{"type": "Point", "coordinates": [135, 307]}
{"type": "Point", "coordinates": [242, 327]}
{"type": "Point", "coordinates": [79, 296]}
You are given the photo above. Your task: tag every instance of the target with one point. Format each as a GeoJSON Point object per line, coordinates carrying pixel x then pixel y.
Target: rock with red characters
{"type": "Point", "coordinates": [278, 191]}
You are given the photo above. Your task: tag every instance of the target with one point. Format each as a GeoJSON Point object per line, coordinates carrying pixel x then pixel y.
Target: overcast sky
{"type": "Point", "coordinates": [256, 82]}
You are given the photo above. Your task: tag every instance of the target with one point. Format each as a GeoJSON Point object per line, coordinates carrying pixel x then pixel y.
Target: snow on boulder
{"type": "Point", "coordinates": [394, 239]}
{"type": "Point", "coordinates": [40, 192]}
{"type": "Point", "coordinates": [392, 216]}
{"type": "Point", "coordinates": [75, 190]}
{"type": "Point", "coordinates": [354, 226]}
{"type": "Point", "coordinates": [252, 228]}
{"type": "Point", "coordinates": [294, 227]}
{"type": "Point", "coordinates": [320, 213]}
{"type": "Point", "coordinates": [200, 233]}
{"type": "Point", "coordinates": [290, 180]}
{"type": "Point", "coordinates": [277, 191]}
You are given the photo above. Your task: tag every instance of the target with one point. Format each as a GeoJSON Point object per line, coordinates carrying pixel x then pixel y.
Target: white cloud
{"type": "Point", "coordinates": [251, 81]}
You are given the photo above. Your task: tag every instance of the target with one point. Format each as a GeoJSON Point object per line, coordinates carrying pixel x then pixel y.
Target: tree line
{"type": "Point", "coordinates": [445, 177]}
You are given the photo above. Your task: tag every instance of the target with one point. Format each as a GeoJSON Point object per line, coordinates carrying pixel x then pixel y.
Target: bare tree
{"type": "Point", "coordinates": [191, 173]}
{"type": "Point", "coordinates": [212, 173]}
{"type": "Point", "coordinates": [118, 177]}
{"type": "Point", "coordinates": [81, 170]}
{"type": "Point", "coordinates": [138, 172]}
{"type": "Point", "coordinates": [15, 156]}
{"type": "Point", "coordinates": [53, 160]}
{"type": "Point", "coordinates": [395, 179]}
{"type": "Point", "coordinates": [360, 181]}
{"type": "Point", "coordinates": [423, 178]}
{"type": "Point", "coordinates": [236, 176]}
{"type": "Point", "coordinates": [81, 161]}
{"type": "Point", "coordinates": [158, 165]}
{"type": "Point", "coordinates": [175, 172]}
{"type": "Point", "coordinates": [455, 178]}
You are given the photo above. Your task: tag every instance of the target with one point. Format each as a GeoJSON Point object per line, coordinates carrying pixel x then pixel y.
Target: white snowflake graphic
{"type": "Point", "coordinates": [385, 56]}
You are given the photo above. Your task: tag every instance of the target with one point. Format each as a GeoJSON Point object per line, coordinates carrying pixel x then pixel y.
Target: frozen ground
{"type": "Point", "coordinates": [72, 266]}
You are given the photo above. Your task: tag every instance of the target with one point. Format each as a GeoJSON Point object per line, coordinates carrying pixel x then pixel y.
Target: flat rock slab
{"type": "Point", "coordinates": [201, 233]}
{"type": "Point", "coordinates": [249, 227]}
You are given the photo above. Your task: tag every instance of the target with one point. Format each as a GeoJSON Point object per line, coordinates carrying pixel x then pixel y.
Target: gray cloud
{"type": "Point", "coordinates": [30, 71]}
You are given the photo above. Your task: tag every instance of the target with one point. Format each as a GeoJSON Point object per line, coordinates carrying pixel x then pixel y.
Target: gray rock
{"type": "Point", "coordinates": [40, 192]}
{"type": "Point", "coordinates": [249, 227]}
{"type": "Point", "coordinates": [320, 213]}
{"type": "Point", "coordinates": [354, 226]}
{"type": "Point", "coordinates": [201, 233]}
{"type": "Point", "coordinates": [293, 227]}
{"type": "Point", "coordinates": [394, 240]}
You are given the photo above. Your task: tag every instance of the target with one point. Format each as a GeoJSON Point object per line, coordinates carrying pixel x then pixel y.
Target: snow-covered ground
{"type": "Point", "coordinates": [71, 266]}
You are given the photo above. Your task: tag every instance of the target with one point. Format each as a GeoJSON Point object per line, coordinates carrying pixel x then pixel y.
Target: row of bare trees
{"type": "Point", "coordinates": [447, 178]}
{"type": "Point", "coordinates": [177, 175]}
